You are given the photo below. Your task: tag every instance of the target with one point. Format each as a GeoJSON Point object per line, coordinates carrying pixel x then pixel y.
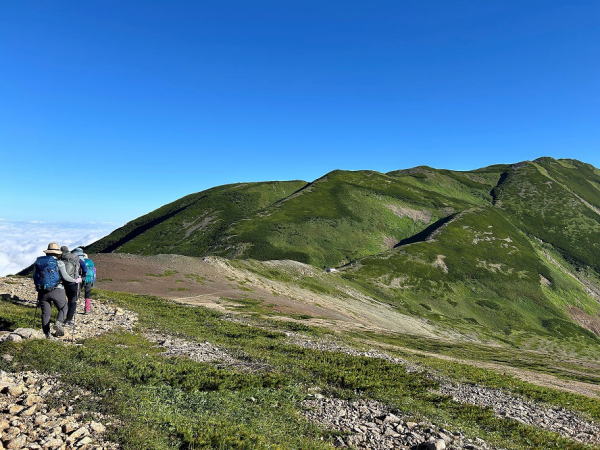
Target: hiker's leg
{"type": "Point", "coordinates": [46, 309]}
{"type": "Point", "coordinates": [88, 297]}
{"type": "Point", "coordinates": [71, 290]}
{"type": "Point", "coordinates": [60, 300]}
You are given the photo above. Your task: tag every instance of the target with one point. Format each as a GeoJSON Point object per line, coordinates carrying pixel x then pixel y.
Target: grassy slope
{"type": "Point", "coordinates": [491, 286]}
{"type": "Point", "coordinates": [339, 217]}
{"type": "Point", "coordinates": [544, 198]}
{"type": "Point", "coordinates": [176, 403]}
{"type": "Point", "coordinates": [193, 225]}
{"type": "Point", "coordinates": [348, 215]}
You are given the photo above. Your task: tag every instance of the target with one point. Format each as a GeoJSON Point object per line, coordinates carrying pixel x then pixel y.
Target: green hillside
{"type": "Point", "coordinates": [509, 251]}
{"type": "Point", "coordinates": [194, 225]}
{"type": "Point", "coordinates": [340, 217]}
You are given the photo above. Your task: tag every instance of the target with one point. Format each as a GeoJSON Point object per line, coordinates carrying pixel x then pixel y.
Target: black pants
{"type": "Point", "coordinates": [87, 287]}
{"type": "Point", "coordinates": [72, 291]}
{"type": "Point", "coordinates": [45, 301]}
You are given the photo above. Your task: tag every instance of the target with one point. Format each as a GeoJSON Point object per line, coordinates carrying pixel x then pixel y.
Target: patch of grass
{"type": "Point", "coordinates": [166, 273]}
{"type": "Point", "coordinates": [197, 278]}
{"type": "Point", "coordinates": [510, 355]}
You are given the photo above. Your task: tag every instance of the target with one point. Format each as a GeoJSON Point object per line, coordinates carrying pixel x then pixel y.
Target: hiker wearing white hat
{"type": "Point", "coordinates": [49, 273]}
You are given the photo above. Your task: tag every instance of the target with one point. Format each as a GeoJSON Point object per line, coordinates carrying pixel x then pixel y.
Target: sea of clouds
{"type": "Point", "coordinates": [22, 242]}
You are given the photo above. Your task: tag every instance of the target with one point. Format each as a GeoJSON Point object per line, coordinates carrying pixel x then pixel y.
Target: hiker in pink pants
{"type": "Point", "coordinates": [88, 282]}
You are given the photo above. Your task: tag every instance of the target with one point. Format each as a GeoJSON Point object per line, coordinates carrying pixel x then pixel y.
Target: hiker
{"type": "Point", "coordinates": [73, 267]}
{"type": "Point", "coordinates": [49, 274]}
{"type": "Point", "coordinates": [88, 282]}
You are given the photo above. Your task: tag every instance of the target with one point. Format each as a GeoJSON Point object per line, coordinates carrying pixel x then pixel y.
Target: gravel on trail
{"type": "Point", "coordinates": [103, 318]}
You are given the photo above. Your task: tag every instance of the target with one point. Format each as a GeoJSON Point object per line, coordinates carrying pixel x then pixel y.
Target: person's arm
{"type": "Point", "coordinates": [63, 272]}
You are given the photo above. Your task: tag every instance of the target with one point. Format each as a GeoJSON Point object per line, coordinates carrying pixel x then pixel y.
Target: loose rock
{"type": "Point", "coordinates": [27, 420]}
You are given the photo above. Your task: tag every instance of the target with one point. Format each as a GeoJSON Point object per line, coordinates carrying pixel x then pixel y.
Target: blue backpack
{"type": "Point", "coordinates": [46, 275]}
{"type": "Point", "coordinates": [90, 275]}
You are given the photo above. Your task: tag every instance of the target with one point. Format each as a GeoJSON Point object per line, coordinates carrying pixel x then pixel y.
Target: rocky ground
{"type": "Point", "coordinates": [559, 420]}
{"type": "Point", "coordinates": [202, 352]}
{"type": "Point", "coordinates": [555, 419]}
{"type": "Point", "coordinates": [37, 413]}
{"type": "Point", "coordinates": [371, 425]}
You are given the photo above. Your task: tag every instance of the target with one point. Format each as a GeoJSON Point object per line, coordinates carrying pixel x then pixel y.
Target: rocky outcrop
{"type": "Point", "coordinates": [203, 352]}
{"type": "Point", "coordinates": [372, 425]}
{"type": "Point", "coordinates": [504, 404]}
{"type": "Point", "coordinates": [559, 420]}
{"type": "Point", "coordinates": [37, 413]}
{"type": "Point", "coordinates": [20, 334]}
{"type": "Point", "coordinates": [18, 289]}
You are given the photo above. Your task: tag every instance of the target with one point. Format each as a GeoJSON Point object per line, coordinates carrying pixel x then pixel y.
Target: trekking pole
{"type": "Point", "coordinates": [34, 315]}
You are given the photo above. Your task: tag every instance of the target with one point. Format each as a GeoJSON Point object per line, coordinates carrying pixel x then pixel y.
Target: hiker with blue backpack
{"type": "Point", "coordinates": [88, 275]}
{"type": "Point", "coordinates": [49, 276]}
{"type": "Point", "coordinates": [88, 282]}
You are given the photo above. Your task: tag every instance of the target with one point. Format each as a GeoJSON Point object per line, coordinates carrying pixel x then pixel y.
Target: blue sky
{"type": "Point", "coordinates": [109, 109]}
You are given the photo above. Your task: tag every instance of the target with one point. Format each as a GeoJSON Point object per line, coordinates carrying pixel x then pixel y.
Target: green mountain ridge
{"type": "Point", "coordinates": [507, 250]}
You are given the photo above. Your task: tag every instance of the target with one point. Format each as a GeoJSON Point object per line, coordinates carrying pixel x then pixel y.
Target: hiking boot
{"type": "Point", "coordinates": [60, 331]}
{"type": "Point", "coordinates": [69, 323]}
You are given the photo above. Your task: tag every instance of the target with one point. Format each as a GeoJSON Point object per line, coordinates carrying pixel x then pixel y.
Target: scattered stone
{"type": "Point", "coordinates": [507, 405]}
{"type": "Point", "coordinates": [371, 425]}
{"type": "Point", "coordinates": [17, 442]}
{"type": "Point", "coordinates": [504, 404]}
{"type": "Point", "coordinates": [97, 427]}
{"type": "Point", "coordinates": [201, 352]}
{"type": "Point", "coordinates": [27, 421]}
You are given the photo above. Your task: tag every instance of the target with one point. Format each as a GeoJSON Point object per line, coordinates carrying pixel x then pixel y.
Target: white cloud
{"type": "Point", "coordinates": [22, 242]}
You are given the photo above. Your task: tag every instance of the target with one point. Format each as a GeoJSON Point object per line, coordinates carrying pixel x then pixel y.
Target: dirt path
{"type": "Point", "coordinates": [103, 318]}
